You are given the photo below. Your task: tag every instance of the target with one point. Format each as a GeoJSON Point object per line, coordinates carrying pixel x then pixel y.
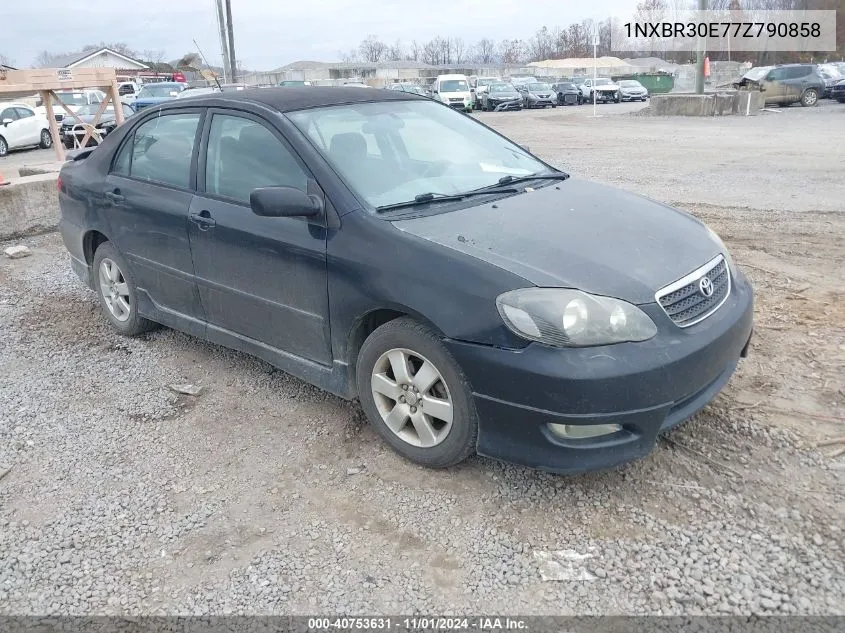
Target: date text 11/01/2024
{"type": "Point", "coordinates": [416, 623]}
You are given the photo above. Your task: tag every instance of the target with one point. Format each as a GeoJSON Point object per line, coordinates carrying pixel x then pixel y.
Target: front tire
{"type": "Point", "coordinates": [415, 394]}
{"type": "Point", "coordinates": [4, 147]}
{"type": "Point", "coordinates": [46, 140]}
{"type": "Point", "coordinates": [810, 98]}
{"type": "Point", "coordinates": [117, 291]}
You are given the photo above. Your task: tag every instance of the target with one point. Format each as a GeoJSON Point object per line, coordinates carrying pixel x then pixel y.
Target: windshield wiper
{"type": "Point", "coordinates": [507, 180]}
{"type": "Point", "coordinates": [425, 198]}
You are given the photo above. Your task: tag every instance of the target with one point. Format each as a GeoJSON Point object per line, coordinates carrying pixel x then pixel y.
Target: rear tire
{"type": "Point", "coordinates": [405, 353]}
{"type": "Point", "coordinates": [810, 98]}
{"type": "Point", "coordinates": [46, 140]}
{"type": "Point", "coordinates": [117, 292]}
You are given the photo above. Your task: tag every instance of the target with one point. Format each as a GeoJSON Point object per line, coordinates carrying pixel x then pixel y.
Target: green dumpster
{"type": "Point", "coordinates": [655, 83]}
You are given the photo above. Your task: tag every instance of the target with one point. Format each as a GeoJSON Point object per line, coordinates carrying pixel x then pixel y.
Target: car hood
{"type": "Point", "coordinates": [69, 121]}
{"type": "Point", "coordinates": [613, 87]}
{"type": "Point", "coordinates": [152, 100]}
{"type": "Point", "coordinates": [581, 235]}
{"type": "Point", "coordinates": [504, 95]}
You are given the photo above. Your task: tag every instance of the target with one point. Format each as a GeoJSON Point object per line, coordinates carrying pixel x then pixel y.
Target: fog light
{"type": "Point", "coordinates": [582, 431]}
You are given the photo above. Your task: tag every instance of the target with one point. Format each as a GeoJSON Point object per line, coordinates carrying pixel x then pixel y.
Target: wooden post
{"type": "Point", "coordinates": [118, 106]}
{"type": "Point", "coordinates": [47, 99]}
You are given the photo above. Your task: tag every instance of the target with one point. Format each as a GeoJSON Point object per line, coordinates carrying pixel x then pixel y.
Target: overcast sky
{"type": "Point", "coordinates": [269, 33]}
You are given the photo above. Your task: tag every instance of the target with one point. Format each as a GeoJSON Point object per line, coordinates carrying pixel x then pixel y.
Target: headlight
{"type": "Point", "coordinates": [562, 317]}
{"type": "Point", "coordinates": [724, 250]}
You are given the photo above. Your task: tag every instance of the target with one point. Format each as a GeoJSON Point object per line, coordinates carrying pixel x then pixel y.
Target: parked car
{"type": "Point", "coordinates": [837, 91]}
{"type": "Point", "coordinates": [831, 75]}
{"type": "Point", "coordinates": [479, 87]}
{"type": "Point", "coordinates": [292, 83]}
{"type": "Point", "coordinates": [128, 91]}
{"type": "Point", "coordinates": [73, 99]}
{"type": "Point", "coordinates": [787, 84]}
{"type": "Point", "coordinates": [632, 90]}
{"type": "Point", "coordinates": [518, 82]}
{"type": "Point", "coordinates": [537, 95]}
{"type": "Point", "coordinates": [189, 92]}
{"type": "Point", "coordinates": [567, 93]}
{"type": "Point", "coordinates": [22, 126]}
{"type": "Point", "coordinates": [602, 87]}
{"type": "Point", "coordinates": [510, 313]}
{"type": "Point", "coordinates": [453, 90]}
{"type": "Point", "coordinates": [72, 131]}
{"type": "Point", "coordinates": [158, 93]}
{"type": "Point", "coordinates": [500, 97]}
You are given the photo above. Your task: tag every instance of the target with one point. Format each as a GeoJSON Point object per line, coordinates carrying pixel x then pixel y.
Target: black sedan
{"type": "Point", "coordinates": [73, 131]}
{"type": "Point", "coordinates": [837, 91]}
{"type": "Point", "coordinates": [567, 93]}
{"type": "Point", "coordinates": [500, 97]}
{"type": "Point", "coordinates": [474, 298]}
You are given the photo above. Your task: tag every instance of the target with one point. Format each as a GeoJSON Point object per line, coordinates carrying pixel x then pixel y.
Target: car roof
{"type": "Point", "coordinates": [452, 76]}
{"type": "Point", "coordinates": [14, 104]}
{"type": "Point", "coordinates": [301, 98]}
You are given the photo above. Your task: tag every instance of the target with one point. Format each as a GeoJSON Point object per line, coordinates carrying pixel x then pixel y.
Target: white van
{"type": "Point", "coordinates": [454, 91]}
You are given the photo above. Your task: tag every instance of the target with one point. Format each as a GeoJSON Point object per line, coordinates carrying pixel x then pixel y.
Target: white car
{"type": "Point", "coordinates": [454, 91]}
{"type": "Point", "coordinates": [604, 89]}
{"type": "Point", "coordinates": [73, 99]}
{"type": "Point", "coordinates": [21, 126]}
{"type": "Point", "coordinates": [128, 91]}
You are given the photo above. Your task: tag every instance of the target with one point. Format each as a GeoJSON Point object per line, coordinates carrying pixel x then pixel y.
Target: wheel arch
{"type": "Point", "coordinates": [368, 323]}
{"type": "Point", "coordinates": [90, 242]}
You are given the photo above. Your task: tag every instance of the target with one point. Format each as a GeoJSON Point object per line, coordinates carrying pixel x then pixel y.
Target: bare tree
{"type": "Point", "coordinates": [542, 45]}
{"type": "Point", "coordinates": [457, 49]}
{"type": "Point", "coordinates": [484, 51]}
{"type": "Point", "coordinates": [396, 52]}
{"type": "Point", "coordinates": [372, 49]}
{"type": "Point", "coordinates": [437, 52]}
{"type": "Point", "coordinates": [5, 60]}
{"type": "Point", "coordinates": [349, 57]}
{"type": "Point", "coordinates": [414, 51]}
{"type": "Point", "coordinates": [513, 51]}
{"type": "Point", "coordinates": [118, 47]}
{"type": "Point", "coordinates": [46, 59]}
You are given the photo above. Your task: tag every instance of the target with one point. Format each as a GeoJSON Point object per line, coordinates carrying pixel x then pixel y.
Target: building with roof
{"type": "Point", "coordinates": [100, 58]}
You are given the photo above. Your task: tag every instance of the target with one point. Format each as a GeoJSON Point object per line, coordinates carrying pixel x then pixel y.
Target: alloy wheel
{"type": "Point", "coordinates": [115, 290]}
{"type": "Point", "coordinates": [46, 139]}
{"type": "Point", "coordinates": [412, 397]}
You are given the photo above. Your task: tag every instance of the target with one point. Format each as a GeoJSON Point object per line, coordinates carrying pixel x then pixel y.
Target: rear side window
{"type": "Point", "coordinates": [796, 72]}
{"type": "Point", "coordinates": [244, 155]}
{"type": "Point", "coordinates": [160, 150]}
{"type": "Point", "coordinates": [777, 74]}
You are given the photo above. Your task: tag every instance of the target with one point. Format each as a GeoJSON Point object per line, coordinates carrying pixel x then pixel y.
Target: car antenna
{"type": "Point", "coordinates": [202, 57]}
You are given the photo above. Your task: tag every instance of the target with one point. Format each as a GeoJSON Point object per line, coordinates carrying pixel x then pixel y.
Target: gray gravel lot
{"type": "Point", "coordinates": [265, 495]}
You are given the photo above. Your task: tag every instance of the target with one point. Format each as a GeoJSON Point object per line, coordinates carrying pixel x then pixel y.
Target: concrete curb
{"type": "Point", "coordinates": [29, 205]}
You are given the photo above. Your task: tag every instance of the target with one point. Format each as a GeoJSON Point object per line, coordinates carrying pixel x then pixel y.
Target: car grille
{"type": "Point", "coordinates": [686, 301]}
{"type": "Point", "coordinates": [58, 117]}
{"type": "Point", "coordinates": [456, 100]}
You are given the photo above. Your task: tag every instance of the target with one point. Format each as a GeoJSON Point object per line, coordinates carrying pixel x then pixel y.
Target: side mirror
{"type": "Point", "coordinates": [284, 202]}
{"type": "Point", "coordinates": [7, 121]}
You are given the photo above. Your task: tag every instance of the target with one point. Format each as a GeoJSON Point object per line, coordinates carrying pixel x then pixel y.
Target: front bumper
{"type": "Point", "coordinates": [540, 102]}
{"type": "Point", "coordinates": [633, 97]}
{"type": "Point", "coordinates": [645, 388]}
{"type": "Point", "coordinates": [501, 106]}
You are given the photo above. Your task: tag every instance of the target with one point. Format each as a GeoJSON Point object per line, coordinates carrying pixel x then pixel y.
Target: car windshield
{"type": "Point", "coordinates": [484, 82]}
{"type": "Point", "coordinates": [538, 86]}
{"type": "Point", "coordinates": [602, 82]}
{"type": "Point", "coordinates": [565, 86]}
{"type": "Point", "coordinates": [630, 83]}
{"type": "Point", "coordinates": [158, 90]}
{"type": "Point", "coordinates": [757, 73]}
{"type": "Point", "coordinates": [500, 88]}
{"type": "Point", "coordinates": [73, 98]}
{"type": "Point", "coordinates": [454, 85]}
{"type": "Point", "coordinates": [415, 89]}
{"type": "Point", "coordinates": [390, 152]}
{"type": "Point", "coordinates": [92, 110]}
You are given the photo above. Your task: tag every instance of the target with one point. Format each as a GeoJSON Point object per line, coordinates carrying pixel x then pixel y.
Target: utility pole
{"type": "Point", "coordinates": [699, 56]}
{"type": "Point", "coordinates": [232, 62]}
{"type": "Point", "coordinates": [224, 46]}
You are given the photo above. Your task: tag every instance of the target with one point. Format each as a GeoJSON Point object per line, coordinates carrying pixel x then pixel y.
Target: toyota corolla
{"type": "Point", "coordinates": [384, 247]}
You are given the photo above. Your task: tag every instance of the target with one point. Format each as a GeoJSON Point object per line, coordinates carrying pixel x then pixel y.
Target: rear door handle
{"type": "Point", "coordinates": [203, 220]}
{"type": "Point", "coordinates": [114, 196]}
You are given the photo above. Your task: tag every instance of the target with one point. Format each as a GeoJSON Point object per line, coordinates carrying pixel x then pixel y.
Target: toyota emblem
{"type": "Point", "coordinates": [706, 286]}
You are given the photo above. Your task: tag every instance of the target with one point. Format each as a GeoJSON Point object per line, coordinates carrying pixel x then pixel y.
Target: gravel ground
{"type": "Point", "coordinates": [265, 495]}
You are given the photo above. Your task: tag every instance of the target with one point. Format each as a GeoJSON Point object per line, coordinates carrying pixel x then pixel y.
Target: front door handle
{"type": "Point", "coordinates": [203, 220]}
{"type": "Point", "coordinates": [114, 196]}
